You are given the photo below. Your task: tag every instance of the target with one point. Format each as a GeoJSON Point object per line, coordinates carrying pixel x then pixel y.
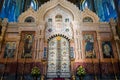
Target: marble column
{"type": "Point", "coordinates": [99, 45]}
{"type": "Point", "coordinates": [17, 48]}
{"type": "Point", "coordinates": [4, 25]}
{"type": "Point", "coordinates": [35, 49]}
{"type": "Point", "coordinates": [75, 24]}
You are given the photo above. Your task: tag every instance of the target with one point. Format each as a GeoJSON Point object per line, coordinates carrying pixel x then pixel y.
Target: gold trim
{"type": "Point", "coordinates": [58, 38]}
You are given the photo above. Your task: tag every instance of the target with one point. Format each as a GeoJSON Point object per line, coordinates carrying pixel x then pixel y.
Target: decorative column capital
{"type": "Point", "coordinates": [112, 22]}
{"type": "Point", "coordinates": [4, 22]}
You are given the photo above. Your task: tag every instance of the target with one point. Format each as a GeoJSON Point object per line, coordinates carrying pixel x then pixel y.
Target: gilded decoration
{"type": "Point", "coordinates": [57, 40]}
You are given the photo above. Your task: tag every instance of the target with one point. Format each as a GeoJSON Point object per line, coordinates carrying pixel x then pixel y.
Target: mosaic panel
{"type": "Point", "coordinates": [27, 44]}
{"type": "Point", "coordinates": [89, 46]}
{"type": "Point", "coordinates": [9, 51]}
{"type": "Point", "coordinates": [107, 49]}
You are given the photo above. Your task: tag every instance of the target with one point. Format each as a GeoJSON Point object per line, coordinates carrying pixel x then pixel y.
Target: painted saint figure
{"type": "Point", "coordinates": [28, 46]}
{"type": "Point", "coordinates": [107, 49]}
{"type": "Point", "coordinates": [9, 50]}
{"type": "Point", "coordinates": [89, 46]}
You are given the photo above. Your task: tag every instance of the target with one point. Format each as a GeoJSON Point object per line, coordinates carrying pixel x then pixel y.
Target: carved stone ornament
{"type": "Point", "coordinates": [89, 13]}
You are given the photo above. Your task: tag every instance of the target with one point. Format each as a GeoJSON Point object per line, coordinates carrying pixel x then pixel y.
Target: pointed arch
{"type": "Point", "coordinates": [53, 3]}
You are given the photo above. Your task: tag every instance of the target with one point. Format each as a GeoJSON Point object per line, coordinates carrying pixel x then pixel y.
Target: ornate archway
{"type": "Point", "coordinates": [58, 58]}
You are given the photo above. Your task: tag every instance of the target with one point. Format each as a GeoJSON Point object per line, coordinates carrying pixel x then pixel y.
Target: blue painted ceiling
{"type": "Point", "coordinates": [105, 9]}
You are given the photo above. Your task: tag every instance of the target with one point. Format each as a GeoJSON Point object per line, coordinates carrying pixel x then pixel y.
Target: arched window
{"type": "Point", "coordinates": [58, 18]}
{"type": "Point", "coordinates": [67, 20]}
{"type": "Point", "coordinates": [87, 19]}
{"type": "Point", "coordinates": [50, 20]}
{"type": "Point", "coordinates": [29, 19]}
{"type": "Point", "coordinates": [34, 4]}
{"type": "Point", "coordinates": [84, 4]}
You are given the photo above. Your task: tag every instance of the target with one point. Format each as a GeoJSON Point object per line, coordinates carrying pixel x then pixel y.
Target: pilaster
{"type": "Point", "coordinates": [3, 24]}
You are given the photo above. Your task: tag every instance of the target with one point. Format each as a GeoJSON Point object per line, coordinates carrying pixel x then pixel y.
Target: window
{"type": "Point", "coordinates": [67, 20]}
{"type": "Point", "coordinates": [58, 18]}
{"type": "Point", "coordinates": [29, 19]}
{"type": "Point", "coordinates": [34, 4]}
{"type": "Point", "coordinates": [87, 19]}
{"type": "Point", "coordinates": [50, 20]}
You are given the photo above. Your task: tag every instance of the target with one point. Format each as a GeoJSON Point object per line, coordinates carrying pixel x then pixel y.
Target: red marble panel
{"type": "Point", "coordinates": [99, 68]}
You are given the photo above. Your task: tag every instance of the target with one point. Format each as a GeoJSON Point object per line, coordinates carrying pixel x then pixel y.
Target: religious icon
{"type": "Point", "coordinates": [89, 46]}
{"type": "Point", "coordinates": [52, 43]}
{"type": "Point", "coordinates": [64, 43]}
{"type": "Point", "coordinates": [52, 66]}
{"type": "Point", "coordinates": [64, 54]}
{"type": "Point", "coordinates": [52, 54]}
{"type": "Point", "coordinates": [28, 42]}
{"type": "Point", "coordinates": [9, 50]}
{"type": "Point", "coordinates": [107, 49]}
